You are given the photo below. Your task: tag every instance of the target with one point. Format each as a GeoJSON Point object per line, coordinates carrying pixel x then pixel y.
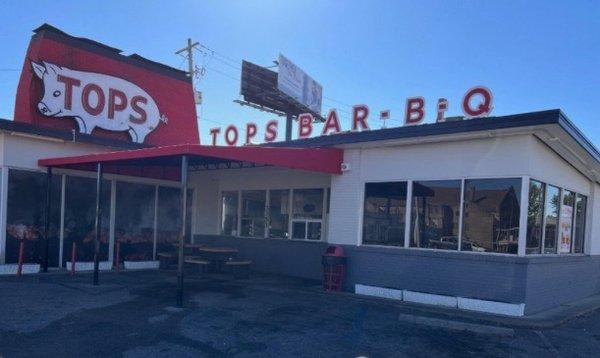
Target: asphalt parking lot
{"type": "Point", "coordinates": [132, 315]}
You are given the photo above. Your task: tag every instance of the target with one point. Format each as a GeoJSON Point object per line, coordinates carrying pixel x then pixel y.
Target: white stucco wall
{"type": "Point", "coordinates": [547, 166]}
{"type": "Point", "coordinates": [24, 152]}
{"type": "Point", "coordinates": [476, 158]}
{"type": "Point", "coordinates": [493, 157]}
{"type": "Point", "coordinates": [592, 242]}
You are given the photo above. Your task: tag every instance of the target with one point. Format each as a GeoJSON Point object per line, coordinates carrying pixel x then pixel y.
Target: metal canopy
{"type": "Point", "coordinates": [164, 162]}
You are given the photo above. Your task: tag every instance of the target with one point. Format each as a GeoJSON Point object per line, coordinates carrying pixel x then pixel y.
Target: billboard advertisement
{"type": "Point", "coordinates": [295, 83]}
{"type": "Point", "coordinates": [71, 83]}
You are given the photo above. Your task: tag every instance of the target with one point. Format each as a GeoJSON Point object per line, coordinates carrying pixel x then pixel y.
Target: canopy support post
{"type": "Point", "coordinates": [184, 185]}
{"type": "Point", "coordinates": [98, 221]}
{"type": "Point", "coordinates": [47, 221]}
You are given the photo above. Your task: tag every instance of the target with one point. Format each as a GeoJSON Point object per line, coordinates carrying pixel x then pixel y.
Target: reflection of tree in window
{"type": "Point", "coordinates": [552, 207]}
{"type": "Point", "coordinates": [580, 213]}
{"type": "Point", "coordinates": [535, 217]}
{"type": "Point", "coordinates": [435, 212]}
{"type": "Point", "coordinates": [492, 215]}
{"type": "Point", "coordinates": [384, 208]}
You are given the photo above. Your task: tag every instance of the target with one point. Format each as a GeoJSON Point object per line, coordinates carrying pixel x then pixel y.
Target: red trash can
{"type": "Point", "coordinates": [334, 268]}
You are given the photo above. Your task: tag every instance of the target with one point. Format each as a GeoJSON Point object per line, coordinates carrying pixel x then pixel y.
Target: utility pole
{"type": "Point", "coordinates": [190, 57]}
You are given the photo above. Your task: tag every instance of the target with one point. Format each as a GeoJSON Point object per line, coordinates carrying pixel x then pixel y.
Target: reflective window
{"type": "Point", "coordinates": [229, 209]}
{"type": "Point", "coordinates": [279, 203]}
{"type": "Point", "coordinates": [80, 219]}
{"type": "Point", "coordinates": [580, 213]}
{"type": "Point", "coordinates": [435, 214]}
{"type": "Point", "coordinates": [566, 222]}
{"type": "Point", "coordinates": [253, 213]}
{"type": "Point", "coordinates": [134, 221]}
{"type": "Point", "coordinates": [308, 203]}
{"type": "Point", "coordinates": [551, 209]}
{"type": "Point", "coordinates": [169, 217]}
{"type": "Point", "coordinates": [535, 217]}
{"type": "Point", "coordinates": [491, 215]}
{"type": "Point", "coordinates": [26, 215]}
{"type": "Point", "coordinates": [307, 214]}
{"type": "Point", "coordinates": [384, 213]}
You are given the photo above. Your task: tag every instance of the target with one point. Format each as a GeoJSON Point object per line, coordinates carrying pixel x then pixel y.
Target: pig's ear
{"type": "Point", "coordinates": [51, 68]}
{"type": "Point", "coordinates": [38, 69]}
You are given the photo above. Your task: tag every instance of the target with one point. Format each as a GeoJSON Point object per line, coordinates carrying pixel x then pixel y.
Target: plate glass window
{"type": "Point", "coordinates": [566, 222]}
{"type": "Point", "coordinates": [491, 215]}
{"type": "Point", "coordinates": [80, 219]}
{"type": "Point", "coordinates": [551, 210]}
{"type": "Point", "coordinates": [134, 220]}
{"type": "Point", "coordinates": [580, 213]}
{"type": "Point", "coordinates": [384, 213]}
{"type": "Point", "coordinates": [253, 213]}
{"type": "Point", "coordinates": [535, 217]}
{"type": "Point", "coordinates": [229, 210]}
{"type": "Point", "coordinates": [307, 214]}
{"type": "Point", "coordinates": [435, 214]}
{"type": "Point", "coordinates": [169, 218]}
{"type": "Point", "coordinates": [279, 202]}
{"type": "Point", "coordinates": [26, 215]}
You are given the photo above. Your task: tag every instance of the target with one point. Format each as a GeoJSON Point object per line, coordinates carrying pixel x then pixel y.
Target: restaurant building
{"type": "Point", "coordinates": [494, 214]}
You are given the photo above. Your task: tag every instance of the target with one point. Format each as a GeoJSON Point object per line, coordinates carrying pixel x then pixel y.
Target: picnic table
{"type": "Point", "coordinates": [216, 256]}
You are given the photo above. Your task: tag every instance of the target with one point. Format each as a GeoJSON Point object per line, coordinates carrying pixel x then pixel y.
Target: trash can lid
{"type": "Point", "coordinates": [335, 251]}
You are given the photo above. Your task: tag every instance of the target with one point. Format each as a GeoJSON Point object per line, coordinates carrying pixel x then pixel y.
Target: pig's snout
{"type": "Point", "coordinates": [43, 108]}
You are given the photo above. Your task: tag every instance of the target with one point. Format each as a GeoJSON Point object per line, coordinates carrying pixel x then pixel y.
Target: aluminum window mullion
{"type": "Point", "coordinates": [239, 216]}
{"type": "Point", "coordinates": [522, 239]}
{"type": "Point", "coordinates": [267, 221]}
{"type": "Point", "coordinates": [324, 215]}
{"type": "Point", "coordinates": [155, 234]}
{"type": "Point", "coordinates": [3, 208]}
{"type": "Point", "coordinates": [461, 212]}
{"type": "Point", "coordinates": [543, 239]}
{"type": "Point", "coordinates": [573, 223]}
{"type": "Point", "coordinates": [112, 215]}
{"type": "Point", "coordinates": [407, 213]}
{"type": "Point", "coordinates": [61, 232]}
{"type": "Point", "coordinates": [291, 213]}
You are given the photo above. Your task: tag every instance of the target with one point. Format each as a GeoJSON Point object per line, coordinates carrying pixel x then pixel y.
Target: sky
{"type": "Point", "coordinates": [533, 55]}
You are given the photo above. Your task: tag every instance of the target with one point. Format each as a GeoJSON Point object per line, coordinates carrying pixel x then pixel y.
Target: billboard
{"type": "Point", "coordinates": [259, 88]}
{"type": "Point", "coordinates": [295, 83]}
{"type": "Point", "coordinates": [70, 83]}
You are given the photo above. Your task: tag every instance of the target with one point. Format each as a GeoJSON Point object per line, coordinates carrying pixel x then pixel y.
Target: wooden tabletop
{"type": "Point", "coordinates": [218, 250]}
{"type": "Point", "coordinates": [209, 249]}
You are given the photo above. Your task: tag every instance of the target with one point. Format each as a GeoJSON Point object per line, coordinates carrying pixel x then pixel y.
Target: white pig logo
{"type": "Point", "coordinates": [97, 100]}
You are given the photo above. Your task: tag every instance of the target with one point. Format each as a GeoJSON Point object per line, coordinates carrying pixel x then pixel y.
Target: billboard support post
{"type": "Point", "coordinates": [288, 126]}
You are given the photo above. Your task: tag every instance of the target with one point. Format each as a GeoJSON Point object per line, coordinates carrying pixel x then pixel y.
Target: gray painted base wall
{"type": "Point", "coordinates": [286, 257]}
{"type": "Point", "coordinates": [541, 282]}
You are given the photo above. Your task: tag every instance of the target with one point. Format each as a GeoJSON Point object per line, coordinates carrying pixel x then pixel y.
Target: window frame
{"type": "Point", "coordinates": [323, 220]}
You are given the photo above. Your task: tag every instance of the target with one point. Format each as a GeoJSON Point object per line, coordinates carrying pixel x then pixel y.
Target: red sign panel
{"type": "Point", "coordinates": [75, 83]}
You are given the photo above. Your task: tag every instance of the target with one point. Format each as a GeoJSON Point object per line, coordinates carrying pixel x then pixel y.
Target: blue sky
{"type": "Point", "coordinates": [533, 55]}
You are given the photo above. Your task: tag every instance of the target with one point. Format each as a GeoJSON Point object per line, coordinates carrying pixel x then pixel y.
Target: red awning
{"type": "Point", "coordinates": [150, 161]}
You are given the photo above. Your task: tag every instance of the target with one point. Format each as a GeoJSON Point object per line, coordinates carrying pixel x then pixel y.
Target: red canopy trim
{"type": "Point", "coordinates": [321, 160]}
